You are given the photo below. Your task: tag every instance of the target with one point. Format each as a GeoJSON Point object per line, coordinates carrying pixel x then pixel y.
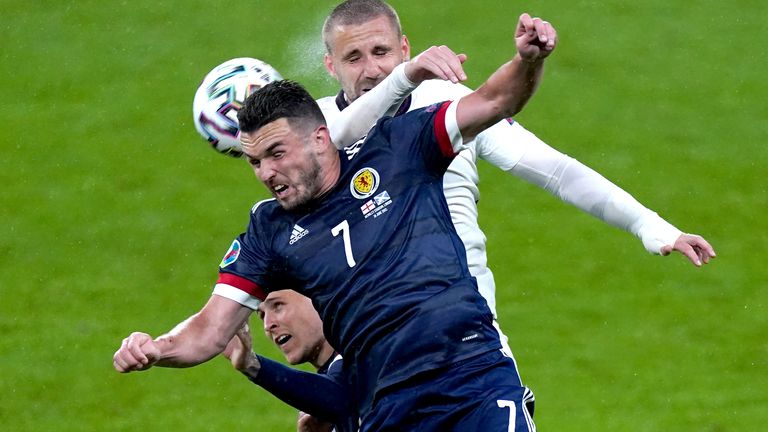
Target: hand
{"type": "Point", "coordinates": [692, 246]}
{"type": "Point", "coordinates": [138, 352]}
{"type": "Point", "coordinates": [239, 350]}
{"type": "Point", "coordinates": [307, 423]}
{"type": "Point", "coordinates": [436, 62]}
{"type": "Point", "coordinates": [535, 39]}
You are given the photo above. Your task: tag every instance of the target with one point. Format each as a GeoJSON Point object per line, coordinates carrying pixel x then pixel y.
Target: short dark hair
{"type": "Point", "coordinates": [279, 99]}
{"type": "Point", "coordinates": [355, 12]}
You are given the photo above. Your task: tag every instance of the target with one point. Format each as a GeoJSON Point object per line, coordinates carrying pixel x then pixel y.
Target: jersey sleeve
{"type": "Point", "coordinates": [429, 134]}
{"type": "Point", "coordinates": [323, 396]}
{"type": "Point", "coordinates": [248, 268]}
{"type": "Point", "coordinates": [362, 114]}
{"type": "Point", "coordinates": [521, 153]}
{"type": "Point", "coordinates": [233, 283]}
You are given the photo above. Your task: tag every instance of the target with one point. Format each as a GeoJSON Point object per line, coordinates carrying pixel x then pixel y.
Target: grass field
{"type": "Point", "coordinates": [114, 213]}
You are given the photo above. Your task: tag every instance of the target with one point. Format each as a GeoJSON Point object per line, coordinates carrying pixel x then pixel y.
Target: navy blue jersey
{"type": "Point", "coordinates": [379, 257]}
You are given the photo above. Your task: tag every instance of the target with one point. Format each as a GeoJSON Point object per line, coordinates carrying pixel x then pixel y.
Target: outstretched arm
{"type": "Point", "coordinates": [195, 340]}
{"type": "Point", "coordinates": [521, 153]}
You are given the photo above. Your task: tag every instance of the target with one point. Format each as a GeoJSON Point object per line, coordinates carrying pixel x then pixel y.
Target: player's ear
{"type": "Point", "coordinates": [406, 47]}
{"type": "Point", "coordinates": [322, 137]}
{"type": "Point", "coordinates": [329, 65]}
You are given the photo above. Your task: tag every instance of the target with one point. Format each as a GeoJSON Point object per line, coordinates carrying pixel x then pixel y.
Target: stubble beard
{"type": "Point", "coordinates": [310, 182]}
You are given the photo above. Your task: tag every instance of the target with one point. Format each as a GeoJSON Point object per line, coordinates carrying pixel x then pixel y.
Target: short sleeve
{"type": "Point", "coordinates": [429, 134]}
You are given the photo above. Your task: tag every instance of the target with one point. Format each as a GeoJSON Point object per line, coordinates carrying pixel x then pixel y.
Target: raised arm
{"type": "Point", "coordinates": [508, 89]}
{"type": "Point", "coordinates": [193, 341]}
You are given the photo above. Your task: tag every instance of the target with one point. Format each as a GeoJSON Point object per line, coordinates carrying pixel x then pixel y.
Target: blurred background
{"type": "Point", "coordinates": [114, 213]}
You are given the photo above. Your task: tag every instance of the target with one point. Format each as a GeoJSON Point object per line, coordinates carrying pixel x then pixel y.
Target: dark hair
{"type": "Point", "coordinates": [355, 12]}
{"type": "Point", "coordinates": [276, 100]}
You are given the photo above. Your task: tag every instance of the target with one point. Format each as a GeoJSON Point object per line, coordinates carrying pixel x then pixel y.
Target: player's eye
{"type": "Point", "coordinates": [254, 162]}
{"type": "Point", "coordinates": [278, 154]}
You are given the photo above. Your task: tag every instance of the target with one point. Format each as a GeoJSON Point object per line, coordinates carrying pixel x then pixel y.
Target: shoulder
{"type": "Point", "coordinates": [266, 205]}
{"type": "Point", "coordinates": [415, 118]}
{"type": "Point", "coordinates": [267, 216]}
{"type": "Point", "coordinates": [329, 107]}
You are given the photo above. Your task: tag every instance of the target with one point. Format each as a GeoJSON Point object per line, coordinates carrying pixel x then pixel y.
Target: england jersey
{"type": "Point", "coordinates": [378, 255]}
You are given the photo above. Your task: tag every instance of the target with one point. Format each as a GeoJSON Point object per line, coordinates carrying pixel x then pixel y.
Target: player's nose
{"type": "Point", "coordinates": [269, 323]}
{"type": "Point", "coordinates": [372, 69]}
{"type": "Point", "coordinates": [265, 171]}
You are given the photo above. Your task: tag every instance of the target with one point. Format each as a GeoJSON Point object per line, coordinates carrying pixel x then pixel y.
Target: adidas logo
{"type": "Point", "coordinates": [297, 233]}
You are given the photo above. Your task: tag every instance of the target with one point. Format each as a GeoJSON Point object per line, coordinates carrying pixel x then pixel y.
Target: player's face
{"type": "Point", "coordinates": [294, 326]}
{"type": "Point", "coordinates": [363, 55]}
{"type": "Point", "coordinates": [285, 160]}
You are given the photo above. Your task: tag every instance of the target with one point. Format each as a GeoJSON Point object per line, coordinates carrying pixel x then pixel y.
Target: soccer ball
{"type": "Point", "coordinates": [221, 94]}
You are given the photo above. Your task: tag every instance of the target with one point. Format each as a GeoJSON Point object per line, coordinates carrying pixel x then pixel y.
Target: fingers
{"type": "Point", "coordinates": [132, 354]}
{"type": "Point", "coordinates": [134, 345]}
{"type": "Point", "coordinates": [535, 38]}
{"type": "Point", "coordinates": [244, 335]}
{"type": "Point", "coordinates": [524, 25]}
{"type": "Point", "coordinates": [690, 253]}
{"type": "Point", "coordinates": [234, 346]}
{"type": "Point", "coordinates": [549, 38]}
{"type": "Point", "coordinates": [446, 64]}
{"type": "Point", "coordinates": [695, 247]}
{"type": "Point", "coordinates": [706, 250]}
{"type": "Point", "coordinates": [439, 62]}
{"type": "Point", "coordinates": [703, 249]}
{"type": "Point", "coordinates": [535, 28]}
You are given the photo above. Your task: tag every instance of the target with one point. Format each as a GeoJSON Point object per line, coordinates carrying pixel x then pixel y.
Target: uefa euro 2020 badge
{"type": "Point", "coordinates": [231, 255]}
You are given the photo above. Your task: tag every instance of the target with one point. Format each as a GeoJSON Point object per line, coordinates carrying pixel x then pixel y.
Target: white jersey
{"type": "Point", "coordinates": [512, 148]}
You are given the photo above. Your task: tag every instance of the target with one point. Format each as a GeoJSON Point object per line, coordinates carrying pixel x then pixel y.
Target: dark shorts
{"type": "Point", "coordinates": [483, 393]}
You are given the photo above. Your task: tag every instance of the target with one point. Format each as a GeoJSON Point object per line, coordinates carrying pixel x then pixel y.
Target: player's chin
{"type": "Point", "coordinates": [291, 358]}
{"type": "Point", "coordinates": [285, 199]}
{"type": "Point", "coordinates": [288, 204]}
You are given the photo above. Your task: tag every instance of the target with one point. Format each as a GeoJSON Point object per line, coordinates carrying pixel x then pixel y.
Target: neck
{"type": "Point", "coordinates": [323, 356]}
{"type": "Point", "coordinates": [331, 173]}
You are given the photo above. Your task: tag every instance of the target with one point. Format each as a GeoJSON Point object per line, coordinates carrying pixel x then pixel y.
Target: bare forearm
{"type": "Point", "coordinates": [512, 85]}
{"type": "Point", "coordinates": [189, 344]}
{"type": "Point", "coordinates": [203, 335]}
{"type": "Point", "coordinates": [503, 95]}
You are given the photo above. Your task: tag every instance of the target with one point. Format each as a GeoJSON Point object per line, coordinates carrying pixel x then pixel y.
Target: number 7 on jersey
{"type": "Point", "coordinates": [343, 228]}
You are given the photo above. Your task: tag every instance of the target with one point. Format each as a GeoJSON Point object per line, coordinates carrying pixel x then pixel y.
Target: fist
{"type": "Point", "coordinates": [137, 352]}
{"type": "Point", "coordinates": [535, 38]}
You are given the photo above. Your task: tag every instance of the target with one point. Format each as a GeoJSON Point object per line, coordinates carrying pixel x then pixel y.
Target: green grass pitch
{"type": "Point", "coordinates": [114, 213]}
